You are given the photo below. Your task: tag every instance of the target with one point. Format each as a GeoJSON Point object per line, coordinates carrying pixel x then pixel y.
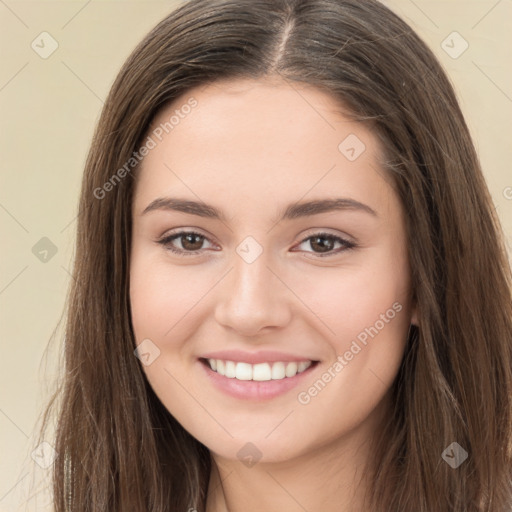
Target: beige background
{"type": "Point", "coordinates": [48, 110]}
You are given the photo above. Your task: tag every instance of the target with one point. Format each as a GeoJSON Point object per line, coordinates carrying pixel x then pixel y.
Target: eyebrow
{"type": "Point", "coordinates": [292, 211]}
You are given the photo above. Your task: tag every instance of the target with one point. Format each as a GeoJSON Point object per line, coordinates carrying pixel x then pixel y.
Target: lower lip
{"type": "Point", "coordinates": [254, 390]}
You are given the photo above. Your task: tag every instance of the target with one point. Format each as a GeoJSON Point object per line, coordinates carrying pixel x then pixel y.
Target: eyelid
{"type": "Point", "coordinates": [327, 232]}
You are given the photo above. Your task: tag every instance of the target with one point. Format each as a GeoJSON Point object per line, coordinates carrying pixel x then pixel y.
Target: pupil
{"type": "Point", "coordinates": [190, 239]}
{"type": "Point", "coordinates": [324, 247]}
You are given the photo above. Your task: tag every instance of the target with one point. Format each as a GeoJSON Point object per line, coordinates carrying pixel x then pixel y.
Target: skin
{"type": "Point", "coordinates": [250, 148]}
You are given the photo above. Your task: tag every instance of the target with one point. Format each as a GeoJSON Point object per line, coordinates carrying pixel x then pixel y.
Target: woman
{"type": "Point", "coordinates": [290, 288]}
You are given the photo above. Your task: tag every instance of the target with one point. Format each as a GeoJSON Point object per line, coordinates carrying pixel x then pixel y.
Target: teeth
{"type": "Point", "coordinates": [230, 369]}
{"type": "Point", "coordinates": [278, 371]}
{"type": "Point", "coordinates": [257, 372]}
{"type": "Point", "coordinates": [303, 365]}
{"type": "Point", "coordinates": [291, 369]}
{"type": "Point", "coordinates": [261, 371]}
{"type": "Point", "coordinates": [243, 371]}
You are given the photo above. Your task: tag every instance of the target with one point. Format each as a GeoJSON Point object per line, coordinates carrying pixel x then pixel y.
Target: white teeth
{"type": "Point", "coordinates": [258, 372]}
{"type": "Point", "coordinates": [261, 371]}
{"type": "Point", "coordinates": [230, 369]}
{"type": "Point", "coordinates": [291, 369]}
{"type": "Point", "coordinates": [278, 371]}
{"type": "Point", "coordinates": [243, 371]}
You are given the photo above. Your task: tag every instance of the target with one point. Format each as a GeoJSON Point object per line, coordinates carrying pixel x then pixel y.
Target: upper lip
{"type": "Point", "coordinates": [264, 356]}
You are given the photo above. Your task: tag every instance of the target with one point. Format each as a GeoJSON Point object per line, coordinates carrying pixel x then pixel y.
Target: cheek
{"type": "Point", "coordinates": [349, 300]}
{"type": "Point", "coordinates": [366, 314]}
{"type": "Point", "coordinates": [367, 349]}
{"type": "Point", "coordinates": [162, 311]}
{"type": "Point", "coordinates": [161, 297]}
{"type": "Point", "coordinates": [151, 307]}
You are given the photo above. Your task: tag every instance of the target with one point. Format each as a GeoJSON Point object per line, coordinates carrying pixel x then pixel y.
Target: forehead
{"type": "Point", "coordinates": [254, 111]}
{"type": "Point", "coordinates": [267, 140]}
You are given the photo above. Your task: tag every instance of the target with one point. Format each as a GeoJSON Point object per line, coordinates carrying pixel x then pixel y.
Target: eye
{"type": "Point", "coordinates": [190, 241]}
{"type": "Point", "coordinates": [323, 244]}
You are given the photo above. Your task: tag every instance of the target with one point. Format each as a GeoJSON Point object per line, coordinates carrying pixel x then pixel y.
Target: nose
{"type": "Point", "coordinates": [253, 298]}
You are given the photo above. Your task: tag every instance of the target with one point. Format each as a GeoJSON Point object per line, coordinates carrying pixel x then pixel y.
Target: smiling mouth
{"type": "Point", "coordinates": [257, 372]}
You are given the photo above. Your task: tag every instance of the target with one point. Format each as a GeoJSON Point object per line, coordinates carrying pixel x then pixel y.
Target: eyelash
{"type": "Point", "coordinates": [166, 242]}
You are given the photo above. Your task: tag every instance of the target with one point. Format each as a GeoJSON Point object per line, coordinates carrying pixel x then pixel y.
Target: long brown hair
{"type": "Point", "coordinates": [119, 448]}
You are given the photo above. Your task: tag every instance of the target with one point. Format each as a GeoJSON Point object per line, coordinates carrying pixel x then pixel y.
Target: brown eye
{"type": "Point", "coordinates": [318, 243]}
{"type": "Point", "coordinates": [189, 243]}
{"type": "Point", "coordinates": [324, 243]}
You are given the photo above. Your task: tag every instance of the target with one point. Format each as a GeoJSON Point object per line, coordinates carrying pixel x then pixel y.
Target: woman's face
{"type": "Point", "coordinates": [277, 327]}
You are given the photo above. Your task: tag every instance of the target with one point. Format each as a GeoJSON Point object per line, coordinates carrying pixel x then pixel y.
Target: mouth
{"type": "Point", "coordinates": [256, 382]}
{"type": "Point", "coordinates": [258, 372]}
